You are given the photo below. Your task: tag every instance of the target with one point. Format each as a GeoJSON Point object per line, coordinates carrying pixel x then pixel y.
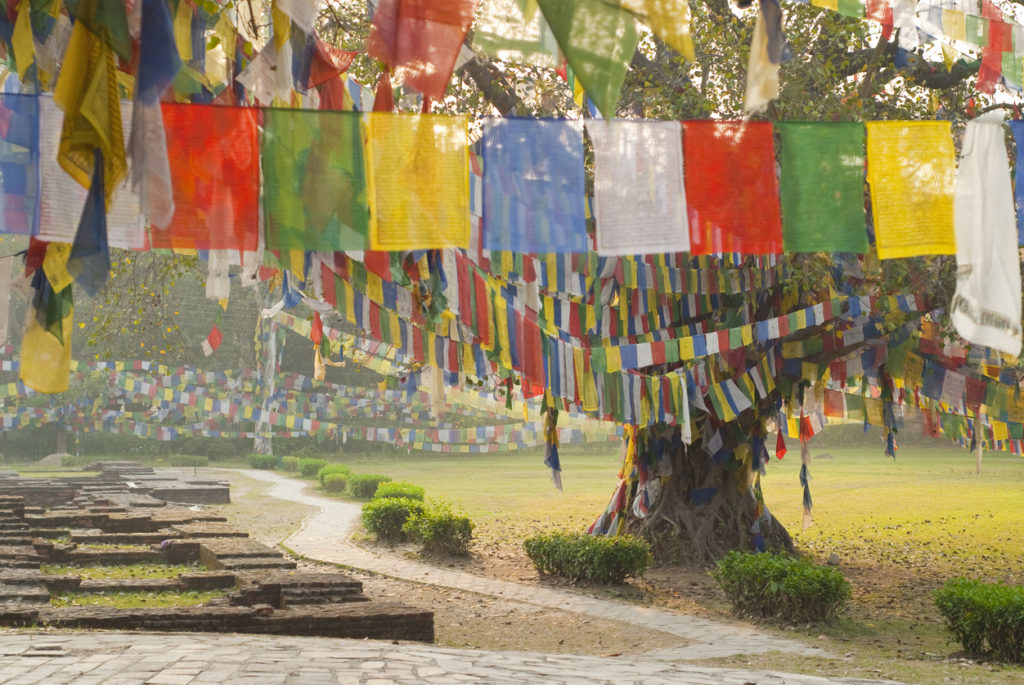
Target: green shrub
{"type": "Point", "coordinates": [192, 460]}
{"type": "Point", "coordinates": [365, 484]}
{"type": "Point", "coordinates": [328, 469]}
{"type": "Point", "coordinates": [335, 482]}
{"type": "Point", "coordinates": [438, 528]}
{"type": "Point", "coordinates": [986, 618]}
{"type": "Point", "coordinates": [782, 588]}
{"type": "Point", "coordinates": [385, 490]}
{"type": "Point", "coordinates": [385, 518]}
{"type": "Point", "coordinates": [76, 462]}
{"type": "Point", "coordinates": [598, 559]}
{"type": "Point", "coordinates": [308, 467]}
{"type": "Point", "coordinates": [290, 464]}
{"type": "Point", "coordinates": [262, 461]}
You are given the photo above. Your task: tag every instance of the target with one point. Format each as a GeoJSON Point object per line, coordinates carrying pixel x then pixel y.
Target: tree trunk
{"type": "Point", "coordinates": [62, 440]}
{"type": "Point", "coordinates": [266, 329]}
{"type": "Point", "coordinates": [703, 509]}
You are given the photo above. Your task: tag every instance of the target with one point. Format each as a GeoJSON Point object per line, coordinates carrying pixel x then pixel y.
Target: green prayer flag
{"type": "Point", "coordinates": [314, 185]}
{"type": "Point", "coordinates": [598, 40]}
{"type": "Point", "coordinates": [822, 187]}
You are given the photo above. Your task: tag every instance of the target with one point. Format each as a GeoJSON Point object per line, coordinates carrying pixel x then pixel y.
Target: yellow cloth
{"type": "Point", "coordinates": [55, 266]}
{"type": "Point", "coordinates": [45, 362]}
{"type": "Point", "coordinates": [418, 181]}
{"type": "Point", "coordinates": [954, 24]}
{"type": "Point", "coordinates": [21, 40]}
{"type": "Point", "coordinates": [911, 167]}
{"type": "Point", "coordinates": [669, 19]}
{"type": "Point", "coordinates": [87, 93]}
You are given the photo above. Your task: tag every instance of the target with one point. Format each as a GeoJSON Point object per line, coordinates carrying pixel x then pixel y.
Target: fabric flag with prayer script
{"type": "Point", "coordinates": [418, 181]}
{"type": "Point", "coordinates": [515, 31]}
{"type": "Point", "coordinates": [911, 169]}
{"type": "Point", "coordinates": [159, 63]}
{"type": "Point", "coordinates": [669, 19]}
{"type": "Point", "coordinates": [639, 196]}
{"type": "Point", "coordinates": [1017, 128]}
{"type": "Point", "coordinates": [87, 92]}
{"type": "Point", "coordinates": [214, 156]}
{"type": "Point", "coordinates": [212, 342]}
{"type": "Point", "coordinates": [46, 346]}
{"type": "Point", "coordinates": [822, 187]}
{"type": "Point", "coordinates": [419, 40]}
{"type": "Point", "coordinates": [598, 39]}
{"type": "Point", "coordinates": [62, 198]}
{"type": "Point", "coordinates": [732, 193]}
{"type": "Point", "coordinates": [986, 307]}
{"type": "Point", "coordinates": [314, 185]}
{"type": "Point", "coordinates": [89, 261]}
{"type": "Point", "coordinates": [19, 163]}
{"type": "Point", "coordinates": [533, 186]}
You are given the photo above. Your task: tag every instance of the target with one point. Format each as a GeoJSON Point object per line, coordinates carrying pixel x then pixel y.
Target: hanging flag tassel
{"type": "Point", "coordinates": [551, 446]}
{"type": "Point", "coordinates": [212, 341]}
{"type": "Point", "coordinates": [805, 479]}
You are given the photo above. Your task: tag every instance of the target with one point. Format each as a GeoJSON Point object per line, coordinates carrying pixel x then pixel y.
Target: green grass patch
{"type": "Point", "coordinates": [124, 572]}
{"type": "Point", "coordinates": [137, 600]}
{"type": "Point", "coordinates": [58, 474]}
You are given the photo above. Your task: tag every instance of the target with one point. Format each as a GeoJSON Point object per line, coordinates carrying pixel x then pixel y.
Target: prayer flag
{"type": "Point", "coordinates": [1017, 128]}
{"type": "Point", "coordinates": [213, 153]}
{"type": "Point", "coordinates": [822, 187]}
{"type": "Point", "coordinates": [515, 31]}
{"type": "Point", "coordinates": [419, 40]}
{"type": "Point", "coordinates": [533, 187]}
{"type": "Point", "coordinates": [213, 341]}
{"type": "Point", "coordinates": [89, 261]}
{"type": "Point", "coordinates": [598, 39]}
{"type": "Point", "coordinates": [732, 193]}
{"type": "Point", "coordinates": [314, 186]}
{"type": "Point", "coordinates": [19, 163]}
{"type": "Point", "coordinates": [638, 187]}
{"type": "Point", "coordinates": [418, 181]}
{"type": "Point", "coordinates": [911, 169]}
{"type": "Point", "coordinates": [669, 19]}
{"type": "Point", "coordinates": [46, 345]}
{"type": "Point", "coordinates": [986, 308]}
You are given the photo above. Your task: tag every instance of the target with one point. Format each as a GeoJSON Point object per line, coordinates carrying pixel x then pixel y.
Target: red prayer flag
{"type": "Point", "coordinates": [732, 192]}
{"type": "Point", "coordinates": [420, 39]}
{"type": "Point", "coordinates": [214, 158]}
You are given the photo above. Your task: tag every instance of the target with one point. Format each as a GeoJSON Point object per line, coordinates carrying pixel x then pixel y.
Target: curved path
{"type": "Point", "coordinates": [325, 536]}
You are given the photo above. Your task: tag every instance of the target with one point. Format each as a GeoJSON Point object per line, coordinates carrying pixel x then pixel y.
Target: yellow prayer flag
{"type": "Point", "coordinates": [374, 287]}
{"type": "Point", "coordinates": [45, 362]}
{"type": "Point", "coordinates": [747, 334]}
{"type": "Point", "coordinates": [911, 168]}
{"type": "Point", "coordinates": [686, 349]}
{"type": "Point", "coordinates": [21, 39]}
{"type": "Point", "coordinates": [613, 359]}
{"type": "Point", "coordinates": [954, 25]}
{"type": "Point", "coordinates": [418, 181]}
{"type": "Point", "coordinates": [183, 31]}
{"type": "Point", "coordinates": [55, 265]}
{"type": "Point", "coordinates": [827, 4]}
{"type": "Point", "coordinates": [669, 19]}
{"type": "Point", "coordinates": [501, 323]}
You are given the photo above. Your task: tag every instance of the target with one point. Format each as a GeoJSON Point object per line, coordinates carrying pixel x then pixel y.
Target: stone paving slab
{"type": "Point", "coordinates": [325, 536]}
{"type": "Point", "coordinates": [185, 659]}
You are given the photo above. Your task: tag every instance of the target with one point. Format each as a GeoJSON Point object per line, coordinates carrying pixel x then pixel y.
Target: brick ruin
{"type": "Point", "coordinates": [76, 521]}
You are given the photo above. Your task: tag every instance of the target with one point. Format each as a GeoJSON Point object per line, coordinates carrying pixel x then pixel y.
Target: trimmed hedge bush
{"type": "Point", "coordinates": [290, 463]}
{"type": "Point", "coordinates": [309, 467]}
{"type": "Point", "coordinates": [328, 469]}
{"type": "Point", "coordinates": [334, 482]}
{"type": "Point", "coordinates": [986, 618]}
{"type": "Point", "coordinates": [385, 518]}
{"type": "Point", "coordinates": [262, 461]}
{"type": "Point", "coordinates": [407, 490]}
{"type": "Point", "coordinates": [598, 559]}
{"type": "Point", "coordinates": [439, 529]}
{"type": "Point", "coordinates": [781, 588]}
{"type": "Point", "coordinates": [365, 484]}
{"type": "Point", "coordinates": [192, 460]}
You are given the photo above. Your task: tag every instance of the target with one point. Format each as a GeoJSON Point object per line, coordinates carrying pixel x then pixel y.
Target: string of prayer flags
{"type": "Point", "coordinates": [639, 195]}
{"type": "Point", "coordinates": [986, 308]}
{"type": "Point", "coordinates": [214, 158]}
{"type": "Point", "coordinates": [314, 183]}
{"type": "Point", "coordinates": [732, 193]}
{"type": "Point", "coordinates": [419, 41]}
{"type": "Point", "coordinates": [533, 186]}
{"type": "Point", "coordinates": [515, 31]}
{"type": "Point", "coordinates": [19, 170]}
{"type": "Point", "coordinates": [911, 168]}
{"type": "Point", "coordinates": [418, 181]}
{"type": "Point", "coordinates": [598, 40]}
{"type": "Point", "coordinates": [822, 187]}
{"type": "Point", "coordinates": [62, 199]}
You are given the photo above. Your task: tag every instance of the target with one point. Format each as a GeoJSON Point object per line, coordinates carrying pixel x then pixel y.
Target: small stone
{"type": "Point", "coordinates": [833, 559]}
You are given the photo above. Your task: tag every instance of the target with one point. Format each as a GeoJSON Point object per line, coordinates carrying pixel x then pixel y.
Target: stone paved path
{"type": "Point", "coordinates": [324, 536]}
{"type": "Point", "coordinates": [193, 659]}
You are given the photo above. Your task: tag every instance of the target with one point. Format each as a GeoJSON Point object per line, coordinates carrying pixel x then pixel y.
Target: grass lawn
{"type": "Point", "coordinates": [124, 572]}
{"type": "Point", "coordinates": [137, 600]}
